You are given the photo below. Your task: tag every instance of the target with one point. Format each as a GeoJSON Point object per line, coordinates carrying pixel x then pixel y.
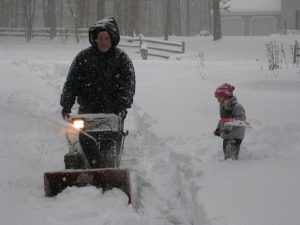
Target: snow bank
{"type": "Point", "coordinates": [174, 159]}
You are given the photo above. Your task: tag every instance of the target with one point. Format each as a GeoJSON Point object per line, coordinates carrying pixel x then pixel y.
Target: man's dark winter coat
{"type": "Point", "coordinates": [101, 82]}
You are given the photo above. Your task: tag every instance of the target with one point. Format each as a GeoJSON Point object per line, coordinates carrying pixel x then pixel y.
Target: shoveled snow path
{"type": "Point", "coordinates": [42, 148]}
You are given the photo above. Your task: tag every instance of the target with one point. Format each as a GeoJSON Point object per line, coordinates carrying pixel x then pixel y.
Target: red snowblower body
{"type": "Point", "coordinates": [95, 149]}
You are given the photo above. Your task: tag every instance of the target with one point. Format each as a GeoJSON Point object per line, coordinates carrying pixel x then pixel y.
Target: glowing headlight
{"type": "Point", "coordinates": [78, 123]}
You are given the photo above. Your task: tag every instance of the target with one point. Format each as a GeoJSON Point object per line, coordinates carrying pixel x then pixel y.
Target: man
{"type": "Point", "coordinates": [102, 76]}
{"type": "Point", "coordinates": [102, 79]}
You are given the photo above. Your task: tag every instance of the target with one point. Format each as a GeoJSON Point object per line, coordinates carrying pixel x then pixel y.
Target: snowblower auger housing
{"type": "Point", "coordinates": [95, 149]}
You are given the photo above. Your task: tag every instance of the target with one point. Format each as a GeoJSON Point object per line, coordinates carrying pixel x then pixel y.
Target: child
{"type": "Point", "coordinates": [230, 110]}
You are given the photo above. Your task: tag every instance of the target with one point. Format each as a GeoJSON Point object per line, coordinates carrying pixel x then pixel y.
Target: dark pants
{"type": "Point", "coordinates": [231, 148]}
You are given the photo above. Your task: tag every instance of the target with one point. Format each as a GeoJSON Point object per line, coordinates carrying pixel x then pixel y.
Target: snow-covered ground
{"type": "Point", "coordinates": [175, 162]}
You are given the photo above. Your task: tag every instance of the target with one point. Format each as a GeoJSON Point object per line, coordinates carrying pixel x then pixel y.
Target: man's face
{"type": "Point", "coordinates": [103, 41]}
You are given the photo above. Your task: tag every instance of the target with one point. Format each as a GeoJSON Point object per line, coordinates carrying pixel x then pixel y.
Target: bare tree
{"type": "Point", "coordinates": [9, 12]}
{"type": "Point", "coordinates": [188, 17]}
{"type": "Point", "coordinates": [29, 11]}
{"type": "Point", "coordinates": [125, 16]}
{"type": "Point", "coordinates": [117, 12]}
{"type": "Point", "coordinates": [73, 10]}
{"type": "Point", "coordinates": [15, 14]}
{"type": "Point", "coordinates": [217, 5]}
{"type": "Point", "coordinates": [133, 17]}
{"type": "Point", "coordinates": [45, 13]}
{"type": "Point", "coordinates": [216, 20]}
{"type": "Point", "coordinates": [61, 9]}
{"type": "Point", "coordinates": [87, 20]}
{"type": "Point", "coordinates": [4, 5]}
{"type": "Point", "coordinates": [49, 9]}
{"type": "Point", "coordinates": [225, 5]}
{"type": "Point", "coordinates": [80, 12]}
{"type": "Point", "coordinates": [168, 19]}
{"type": "Point", "coordinates": [123, 12]}
{"type": "Point", "coordinates": [100, 9]}
{"type": "Point", "coordinates": [176, 17]}
{"type": "Point", "coordinates": [52, 18]}
{"type": "Point", "coordinates": [204, 15]}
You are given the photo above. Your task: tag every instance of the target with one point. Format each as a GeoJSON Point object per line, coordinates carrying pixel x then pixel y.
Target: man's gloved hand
{"type": "Point", "coordinates": [217, 132]}
{"type": "Point", "coordinates": [122, 113]}
{"type": "Point", "coordinates": [65, 114]}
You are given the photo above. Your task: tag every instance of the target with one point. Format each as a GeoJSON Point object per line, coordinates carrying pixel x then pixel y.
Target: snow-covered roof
{"type": "Point", "coordinates": [255, 5]}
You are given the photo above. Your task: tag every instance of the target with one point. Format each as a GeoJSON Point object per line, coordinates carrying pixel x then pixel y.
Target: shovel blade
{"type": "Point", "coordinates": [108, 178]}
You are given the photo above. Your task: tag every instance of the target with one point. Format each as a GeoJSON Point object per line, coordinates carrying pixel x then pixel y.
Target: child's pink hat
{"type": "Point", "coordinates": [225, 90]}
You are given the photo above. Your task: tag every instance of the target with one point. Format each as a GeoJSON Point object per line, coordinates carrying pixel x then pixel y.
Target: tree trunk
{"type": "Point", "coordinates": [52, 17]}
{"type": "Point", "coordinates": [16, 14]}
{"type": "Point", "coordinates": [217, 20]}
{"type": "Point", "coordinates": [100, 9]}
{"type": "Point", "coordinates": [117, 12]}
{"type": "Point", "coordinates": [204, 15]}
{"type": "Point", "coordinates": [74, 19]}
{"type": "Point", "coordinates": [125, 13]}
{"type": "Point", "coordinates": [168, 20]}
{"type": "Point", "coordinates": [61, 7]}
{"type": "Point", "coordinates": [45, 13]}
{"type": "Point", "coordinates": [133, 17]}
{"type": "Point", "coordinates": [4, 14]}
{"type": "Point", "coordinates": [188, 18]}
{"type": "Point", "coordinates": [80, 13]}
{"type": "Point", "coordinates": [177, 17]}
{"type": "Point", "coordinates": [87, 14]}
{"type": "Point", "coordinates": [29, 11]}
{"type": "Point", "coordinates": [9, 13]}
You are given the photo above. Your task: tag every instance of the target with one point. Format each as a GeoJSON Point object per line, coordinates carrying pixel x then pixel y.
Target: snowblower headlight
{"type": "Point", "coordinates": [79, 123]}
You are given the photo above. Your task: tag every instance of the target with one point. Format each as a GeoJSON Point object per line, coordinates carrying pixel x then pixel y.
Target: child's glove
{"type": "Point", "coordinates": [217, 132]}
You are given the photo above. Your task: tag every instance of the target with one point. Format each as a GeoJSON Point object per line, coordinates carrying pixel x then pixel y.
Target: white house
{"type": "Point", "coordinates": [260, 17]}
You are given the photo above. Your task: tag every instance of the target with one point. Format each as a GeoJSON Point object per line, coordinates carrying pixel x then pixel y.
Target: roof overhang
{"type": "Point", "coordinates": [250, 13]}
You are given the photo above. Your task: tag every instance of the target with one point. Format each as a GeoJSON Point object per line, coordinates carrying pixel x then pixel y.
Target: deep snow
{"type": "Point", "coordinates": [177, 172]}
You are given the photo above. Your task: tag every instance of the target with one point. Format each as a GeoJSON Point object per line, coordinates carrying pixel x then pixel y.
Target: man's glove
{"type": "Point", "coordinates": [65, 114]}
{"type": "Point", "coordinates": [217, 132]}
{"type": "Point", "coordinates": [122, 113]}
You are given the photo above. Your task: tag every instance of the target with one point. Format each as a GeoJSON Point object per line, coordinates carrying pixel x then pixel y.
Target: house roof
{"type": "Point", "coordinates": [255, 6]}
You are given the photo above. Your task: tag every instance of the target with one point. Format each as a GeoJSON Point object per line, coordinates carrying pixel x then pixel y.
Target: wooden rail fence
{"type": "Point", "coordinates": [155, 47]}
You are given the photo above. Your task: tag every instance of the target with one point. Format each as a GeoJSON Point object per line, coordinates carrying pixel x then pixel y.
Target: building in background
{"type": "Point", "coordinates": [261, 17]}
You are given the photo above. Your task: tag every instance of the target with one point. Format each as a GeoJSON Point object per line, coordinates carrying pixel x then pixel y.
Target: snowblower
{"type": "Point", "coordinates": [95, 149]}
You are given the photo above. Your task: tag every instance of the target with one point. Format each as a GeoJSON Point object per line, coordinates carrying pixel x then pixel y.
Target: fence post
{"type": "Point", "coordinates": [66, 33]}
{"type": "Point", "coordinates": [144, 50]}
{"type": "Point", "coordinates": [295, 52]}
{"type": "Point", "coordinates": [140, 40]}
{"type": "Point", "coordinates": [183, 47]}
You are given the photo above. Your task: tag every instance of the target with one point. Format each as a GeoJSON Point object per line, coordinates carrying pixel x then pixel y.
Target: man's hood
{"type": "Point", "coordinates": [109, 25]}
